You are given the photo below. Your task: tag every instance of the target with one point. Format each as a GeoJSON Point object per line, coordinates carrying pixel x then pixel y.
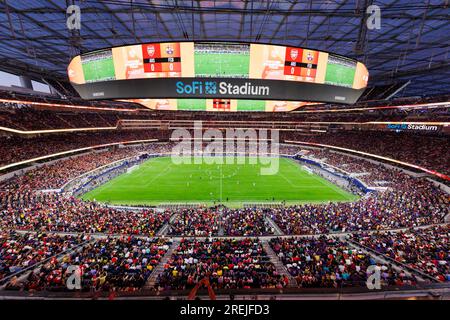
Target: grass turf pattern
{"type": "Point", "coordinates": [339, 75]}
{"type": "Point", "coordinates": [251, 105]}
{"type": "Point", "coordinates": [221, 64]}
{"type": "Point", "coordinates": [159, 180]}
{"type": "Point", "coordinates": [99, 70]}
{"type": "Point", "coordinates": [191, 104]}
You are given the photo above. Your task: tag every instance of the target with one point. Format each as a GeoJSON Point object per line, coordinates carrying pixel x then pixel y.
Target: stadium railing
{"type": "Point", "coordinates": [355, 290]}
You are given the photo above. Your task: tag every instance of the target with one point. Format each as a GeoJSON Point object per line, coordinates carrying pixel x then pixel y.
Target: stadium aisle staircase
{"type": "Point", "coordinates": [276, 228]}
{"type": "Point", "coordinates": [165, 228]}
{"type": "Point", "coordinates": [151, 281]}
{"type": "Point", "coordinates": [397, 265]}
{"type": "Point", "coordinates": [69, 125]}
{"type": "Point", "coordinates": [281, 269]}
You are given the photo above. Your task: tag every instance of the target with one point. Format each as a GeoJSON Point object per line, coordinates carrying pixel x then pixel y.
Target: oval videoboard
{"type": "Point", "coordinates": [217, 71]}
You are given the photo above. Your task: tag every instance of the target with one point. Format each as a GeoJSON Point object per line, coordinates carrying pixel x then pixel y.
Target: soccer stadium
{"type": "Point", "coordinates": [224, 150]}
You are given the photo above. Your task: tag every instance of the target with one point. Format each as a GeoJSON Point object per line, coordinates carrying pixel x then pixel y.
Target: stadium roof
{"type": "Point", "coordinates": [412, 43]}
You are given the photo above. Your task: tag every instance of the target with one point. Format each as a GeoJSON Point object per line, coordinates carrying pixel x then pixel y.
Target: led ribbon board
{"type": "Point", "coordinates": [218, 76]}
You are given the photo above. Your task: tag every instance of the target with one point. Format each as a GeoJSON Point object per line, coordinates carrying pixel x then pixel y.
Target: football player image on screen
{"type": "Point", "coordinates": [134, 66]}
{"type": "Point", "coordinates": [274, 57]}
{"type": "Point", "coordinates": [128, 62]}
{"type": "Point", "coordinates": [165, 104]}
{"type": "Point", "coordinates": [156, 104]}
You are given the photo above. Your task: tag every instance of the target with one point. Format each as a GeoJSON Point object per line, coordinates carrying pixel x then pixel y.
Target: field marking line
{"type": "Point", "coordinates": [158, 175]}
{"type": "Point", "coordinates": [303, 186]}
{"type": "Point", "coordinates": [247, 178]}
{"type": "Point", "coordinates": [325, 182]}
{"type": "Point", "coordinates": [288, 181]}
{"type": "Point", "coordinates": [333, 186]}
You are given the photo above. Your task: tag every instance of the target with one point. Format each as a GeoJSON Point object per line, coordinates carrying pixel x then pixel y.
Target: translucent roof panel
{"type": "Point", "coordinates": [412, 43]}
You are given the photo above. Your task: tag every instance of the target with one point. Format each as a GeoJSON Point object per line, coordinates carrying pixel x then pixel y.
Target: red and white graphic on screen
{"type": "Point", "coordinates": [151, 50]}
{"type": "Point", "coordinates": [163, 58]}
{"type": "Point", "coordinates": [294, 54]}
{"type": "Point", "coordinates": [292, 61]}
{"type": "Point", "coordinates": [150, 54]}
{"type": "Point", "coordinates": [222, 104]}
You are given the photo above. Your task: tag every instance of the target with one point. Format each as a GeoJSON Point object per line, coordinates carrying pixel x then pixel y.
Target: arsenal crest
{"type": "Point", "coordinates": [294, 54]}
{"type": "Point", "coordinates": [150, 51]}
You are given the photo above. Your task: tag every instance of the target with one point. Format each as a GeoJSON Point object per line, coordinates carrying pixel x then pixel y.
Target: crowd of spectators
{"type": "Point", "coordinates": [407, 202]}
{"type": "Point", "coordinates": [55, 175]}
{"type": "Point", "coordinates": [428, 151]}
{"type": "Point", "coordinates": [28, 118]}
{"type": "Point", "coordinates": [411, 202]}
{"type": "Point", "coordinates": [110, 264]}
{"type": "Point", "coordinates": [21, 251]}
{"type": "Point", "coordinates": [371, 174]}
{"type": "Point", "coordinates": [56, 212]}
{"type": "Point", "coordinates": [329, 263]}
{"type": "Point", "coordinates": [207, 222]}
{"type": "Point", "coordinates": [427, 250]}
{"type": "Point", "coordinates": [126, 263]}
{"type": "Point", "coordinates": [344, 162]}
{"type": "Point", "coordinates": [202, 222]}
{"type": "Point", "coordinates": [228, 263]}
{"type": "Point", "coordinates": [21, 115]}
{"type": "Point", "coordinates": [245, 222]}
{"type": "Point", "coordinates": [15, 148]}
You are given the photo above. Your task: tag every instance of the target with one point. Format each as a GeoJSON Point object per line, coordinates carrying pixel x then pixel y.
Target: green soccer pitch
{"type": "Point", "coordinates": [339, 75]}
{"type": "Point", "coordinates": [159, 180]}
{"type": "Point", "coordinates": [99, 70]}
{"type": "Point", "coordinates": [221, 64]}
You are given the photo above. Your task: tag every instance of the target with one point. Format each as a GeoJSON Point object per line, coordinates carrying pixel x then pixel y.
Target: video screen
{"type": "Point", "coordinates": [98, 66]}
{"type": "Point", "coordinates": [340, 71]}
{"type": "Point", "coordinates": [221, 105]}
{"type": "Point", "coordinates": [154, 60]}
{"type": "Point", "coordinates": [226, 76]}
{"type": "Point", "coordinates": [220, 60]}
{"type": "Point", "coordinates": [287, 63]}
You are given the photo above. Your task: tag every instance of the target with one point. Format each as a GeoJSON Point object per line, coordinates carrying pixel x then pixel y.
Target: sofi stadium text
{"type": "Point", "coordinates": [227, 309]}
